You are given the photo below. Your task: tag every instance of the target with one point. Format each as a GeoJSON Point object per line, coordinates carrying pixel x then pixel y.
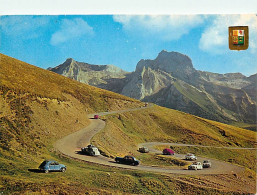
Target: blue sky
{"type": "Point", "coordinates": [122, 40]}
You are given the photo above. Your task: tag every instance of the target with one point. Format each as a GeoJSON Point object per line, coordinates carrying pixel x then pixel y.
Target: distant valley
{"type": "Point", "coordinates": [171, 81]}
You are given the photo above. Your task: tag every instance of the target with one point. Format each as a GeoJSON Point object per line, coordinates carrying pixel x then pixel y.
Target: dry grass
{"type": "Point", "coordinates": [125, 131]}
{"type": "Point", "coordinates": [26, 78]}
{"type": "Point", "coordinates": [37, 107]}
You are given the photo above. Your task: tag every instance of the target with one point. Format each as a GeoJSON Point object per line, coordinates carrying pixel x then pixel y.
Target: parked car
{"type": "Point", "coordinates": [190, 156]}
{"type": "Point", "coordinates": [206, 164]}
{"type": "Point", "coordinates": [51, 165]}
{"type": "Point", "coordinates": [168, 151]}
{"type": "Point", "coordinates": [195, 166]}
{"type": "Point", "coordinates": [96, 116]}
{"type": "Point", "coordinates": [143, 150]}
{"type": "Point", "coordinates": [129, 160]}
{"type": "Point", "coordinates": [90, 150]}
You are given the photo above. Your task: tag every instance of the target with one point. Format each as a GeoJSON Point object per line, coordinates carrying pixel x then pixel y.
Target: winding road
{"type": "Point", "coordinates": [72, 144]}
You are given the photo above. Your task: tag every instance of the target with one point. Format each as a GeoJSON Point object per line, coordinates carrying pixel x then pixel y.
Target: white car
{"type": "Point", "coordinates": [195, 166]}
{"type": "Point", "coordinates": [190, 156]}
{"type": "Point", "coordinates": [90, 150]}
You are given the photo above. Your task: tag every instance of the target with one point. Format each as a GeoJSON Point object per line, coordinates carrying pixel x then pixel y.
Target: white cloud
{"type": "Point", "coordinates": [215, 38]}
{"type": "Point", "coordinates": [168, 27]}
{"type": "Point", "coordinates": [71, 29]}
{"type": "Point", "coordinates": [24, 27]}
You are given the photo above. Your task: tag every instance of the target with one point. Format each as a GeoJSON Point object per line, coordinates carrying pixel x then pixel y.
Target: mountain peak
{"type": "Point", "coordinates": [69, 60]}
{"type": "Point", "coordinates": [173, 55]}
{"type": "Point", "coordinates": [170, 62]}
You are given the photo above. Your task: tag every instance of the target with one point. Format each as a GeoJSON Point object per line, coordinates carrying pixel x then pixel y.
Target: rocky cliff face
{"type": "Point", "coordinates": [108, 77]}
{"type": "Point", "coordinates": [170, 80]}
{"type": "Point", "coordinates": [153, 75]}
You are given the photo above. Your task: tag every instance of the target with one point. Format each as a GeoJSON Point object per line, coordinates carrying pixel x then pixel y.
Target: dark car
{"type": "Point", "coordinates": [129, 160]}
{"type": "Point", "coordinates": [51, 165]}
{"type": "Point", "coordinates": [206, 164]}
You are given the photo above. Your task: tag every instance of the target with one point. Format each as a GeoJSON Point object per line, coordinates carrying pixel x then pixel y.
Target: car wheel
{"type": "Point", "coordinates": [46, 171]}
{"type": "Point", "coordinates": [63, 170]}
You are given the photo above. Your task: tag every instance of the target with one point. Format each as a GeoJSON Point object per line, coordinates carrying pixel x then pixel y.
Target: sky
{"type": "Point", "coordinates": [123, 40]}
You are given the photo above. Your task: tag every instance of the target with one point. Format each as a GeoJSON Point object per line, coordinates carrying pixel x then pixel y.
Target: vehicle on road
{"type": "Point", "coordinates": [51, 165]}
{"type": "Point", "coordinates": [90, 150]}
{"type": "Point", "coordinates": [143, 150]}
{"type": "Point", "coordinates": [96, 116]}
{"type": "Point", "coordinates": [129, 160]}
{"type": "Point", "coordinates": [168, 151]}
{"type": "Point", "coordinates": [206, 164]}
{"type": "Point", "coordinates": [195, 166]}
{"type": "Point", "coordinates": [190, 156]}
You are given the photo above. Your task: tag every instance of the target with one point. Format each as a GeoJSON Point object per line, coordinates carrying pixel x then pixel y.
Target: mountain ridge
{"type": "Point", "coordinates": [222, 97]}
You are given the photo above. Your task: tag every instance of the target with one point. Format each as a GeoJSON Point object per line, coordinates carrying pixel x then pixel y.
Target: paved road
{"type": "Point", "coordinates": [72, 144]}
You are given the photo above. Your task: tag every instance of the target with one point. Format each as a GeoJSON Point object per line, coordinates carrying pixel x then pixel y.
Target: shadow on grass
{"type": "Point", "coordinates": [35, 171]}
{"type": "Point", "coordinates": [84, 154]}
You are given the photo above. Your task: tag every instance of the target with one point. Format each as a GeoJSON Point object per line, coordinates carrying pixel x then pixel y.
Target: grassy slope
{"type": "Point", "coordinates": [124, 131]}
{"type": "Point", "coordinates": [200, 98]}
{"type": "Point", "coordinates": [37, 107]}
{"type": "Point", "coordinates": [244, 158]}
{"type": "Point", "coordinates": [23, 77]}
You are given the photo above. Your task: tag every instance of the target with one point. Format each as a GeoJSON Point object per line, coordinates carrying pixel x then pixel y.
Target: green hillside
{"type": "Point", "coordinates": [125, 131]}
{"type": "Point", "coordinates": [38, 107]}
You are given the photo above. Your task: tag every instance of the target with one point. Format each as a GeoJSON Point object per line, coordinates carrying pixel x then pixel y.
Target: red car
{"type": "Point", "coordinates": [96, 116]}
{"type": "Point", "coordinates": [168, 151]}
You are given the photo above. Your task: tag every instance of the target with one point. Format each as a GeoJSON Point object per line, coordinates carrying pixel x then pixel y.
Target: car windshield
{"type": "Point", "coordinates": [206, 161]}
{"type": "Point", "coordinates": [43, 164]}
{"type": "Point", "coordinates": [130, 157]}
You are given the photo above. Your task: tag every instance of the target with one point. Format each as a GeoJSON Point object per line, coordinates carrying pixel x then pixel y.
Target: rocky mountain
{"type": "Point", "coordinates": [170, 80]}
{"type": "Point", "coordinates": [101, 76]}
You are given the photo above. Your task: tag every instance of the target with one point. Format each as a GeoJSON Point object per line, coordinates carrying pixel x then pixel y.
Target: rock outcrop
{"type": "Point", "coordinates": [104, 76]}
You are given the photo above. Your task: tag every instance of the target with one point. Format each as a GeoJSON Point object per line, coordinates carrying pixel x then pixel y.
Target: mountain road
{"type": "Point", "coordinates": [71, 146]}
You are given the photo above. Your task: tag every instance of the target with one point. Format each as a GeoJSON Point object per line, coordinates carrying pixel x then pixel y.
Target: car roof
{"type": "Point", "coordinates": [50, 161]}
{"type": "Point", "coordinates": [130, 156]}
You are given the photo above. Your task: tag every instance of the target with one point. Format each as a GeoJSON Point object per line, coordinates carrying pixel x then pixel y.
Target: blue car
{"type": "Point", "coordinates": [51, 165]}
